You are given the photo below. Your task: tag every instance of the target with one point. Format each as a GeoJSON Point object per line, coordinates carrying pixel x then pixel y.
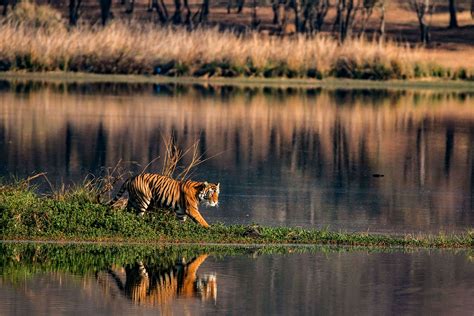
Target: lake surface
{"type": "Point", "coordinates": [52, 279]}
{"type": "Point", "coordinates": [347, 159]}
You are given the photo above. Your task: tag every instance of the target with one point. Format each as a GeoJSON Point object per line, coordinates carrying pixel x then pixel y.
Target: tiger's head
{"type": "Point", "coordinates": [209, 193]}
{"type": "Point", "coordinates": [206, 287]}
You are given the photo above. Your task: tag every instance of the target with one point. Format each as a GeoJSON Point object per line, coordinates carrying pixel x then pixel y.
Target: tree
{"type": "Point", "coordinates": [161, 10]}
{"type": "Point", "coordinates": [74, 6]}
{"type": "Point", "coordinates": [453, 21]}
{"type": "Point", "coordinates": [345, 16]}
{"type": "Point", "coordinates": [177, 12]}
{"type": "Point", "coordinates": [423, 8]}
{"type": "Point", "coordinates": [204, 11]}
{"type": "Point", "coordinates": [104, 10]}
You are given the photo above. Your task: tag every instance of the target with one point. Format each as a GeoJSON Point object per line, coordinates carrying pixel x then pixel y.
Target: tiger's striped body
{"type": "Point", "coordinates": [152, 190]}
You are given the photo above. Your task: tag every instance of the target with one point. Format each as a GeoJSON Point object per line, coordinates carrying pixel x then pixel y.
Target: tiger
{"type": "Point", "coordinates": [155, 285]}
{"type": "Point", "coordinates": [153, 190]}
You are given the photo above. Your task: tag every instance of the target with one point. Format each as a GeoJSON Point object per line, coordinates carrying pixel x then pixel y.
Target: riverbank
{"type": "Point", "coordinates": [61, 77]}
{"type": "Point", "coordinates": [207, 53]}
{"type": "Point", "coordinates": [75, 215]}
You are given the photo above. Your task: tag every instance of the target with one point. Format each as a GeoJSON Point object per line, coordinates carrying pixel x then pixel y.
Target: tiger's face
{"type": "Point", "coordinates": [209, 194]}
{"type": "Point", "coordinates": [206, 287]}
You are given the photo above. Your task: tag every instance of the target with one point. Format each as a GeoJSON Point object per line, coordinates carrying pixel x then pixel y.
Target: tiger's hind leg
{"type": "Point", "coordinates": [139, 203]}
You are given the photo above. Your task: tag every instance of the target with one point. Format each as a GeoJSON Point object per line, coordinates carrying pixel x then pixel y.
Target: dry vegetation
{"type": "Point", "coordinates": [28, 43]}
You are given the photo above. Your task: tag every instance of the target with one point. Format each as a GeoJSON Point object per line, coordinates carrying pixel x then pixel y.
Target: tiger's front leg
{"type": "Point", "coordinates": [196, 216]}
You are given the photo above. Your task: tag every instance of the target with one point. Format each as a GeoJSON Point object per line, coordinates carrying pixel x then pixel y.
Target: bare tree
{"type": "Point", "coordinates": [367, 9]}
{"type": "Point", "coordinates": [382, 19]}
{"type": "Point", "coordinates": [240, 6]}
{"type": "Point", "coordinates": [177, 19]}
{"type": "Point", "coordinates": [129, 6]}
{"type": "Point", "coordinates": [255, 21]}
{"type": "Point", "coordinates": [281, 10]}
{"type": "Point", "coordinates": [161, 10]}
{"type": "Point", "coordinates": [276, 8]}
{"type": "Point", "coordinates": [321, 10]}
{"type": "Point", "coordinates": [423, 9]}
{"type": "Point", "coordinates": [453, 20]}
{"type": "Point", "coordinates": [74, 6]}
{"type": "Point", "coordinates": [204, 11]}
{"type": "Point", "coordinates": [345, 17]}
{"type": "Point", "coordinates": [298, 6]}
{"type": "Point", "coordinates": [104, 10]}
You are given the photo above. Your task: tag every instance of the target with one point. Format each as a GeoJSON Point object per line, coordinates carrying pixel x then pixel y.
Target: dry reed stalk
{"type": "Point", "coordinates": [174, 155]}
{"type": "Point", "coordinates": [120, 48]}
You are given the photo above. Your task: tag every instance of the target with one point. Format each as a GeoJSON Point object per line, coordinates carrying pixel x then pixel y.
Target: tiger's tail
{"type": "Point", "coordinates": [122, 190]}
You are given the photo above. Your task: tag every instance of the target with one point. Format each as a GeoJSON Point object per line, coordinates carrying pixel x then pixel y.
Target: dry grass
{"type": "Point", "coordinates": [145, 49]}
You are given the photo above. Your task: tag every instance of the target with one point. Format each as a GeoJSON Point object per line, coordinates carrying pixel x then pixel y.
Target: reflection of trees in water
{"type": "Point", "coordinates": [266, 138]}
{"type": "Point", "coordinates": [151, 284]}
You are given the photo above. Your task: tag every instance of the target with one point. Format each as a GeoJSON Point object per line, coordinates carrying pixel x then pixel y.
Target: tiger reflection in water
{"type": "Point", "coordinates": [159, 287]}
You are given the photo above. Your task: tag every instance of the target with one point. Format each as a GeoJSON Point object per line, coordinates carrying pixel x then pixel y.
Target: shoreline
{"type": "Point", "coordinates": [261, 236]}
{"type": "Point", "coordinates": [158, 243]}
{"type": "Point", "coordinates": [304, 83]}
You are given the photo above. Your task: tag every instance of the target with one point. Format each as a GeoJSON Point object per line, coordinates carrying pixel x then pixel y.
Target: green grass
{"type": "Point", "coordinates": [23, 260]}
{"type": "Point", "coordinates": [74, 215]}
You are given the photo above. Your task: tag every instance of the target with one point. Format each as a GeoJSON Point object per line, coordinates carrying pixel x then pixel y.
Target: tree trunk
{"type": "Point", "coordinates": [162, 13]}
{"type": "Point", "coordinates": [424, 33]}
{"type": "Point", "coordinates": [105, 10]}
{"type": "Point", "coordinates": [276, 11]}
{"type": "Point", "coordinates": [204, 11]}
{"type": "Point", "coordinates": [453, 20]}
{"type": "Point", "coordinates": [74, 6]}
{"type": "Point", "coordinates": [382, 21]}
{"type": "Point", "coordinates": [5, 7]}
{"type": "Point", "coordinates": [188, 20]}
{"type": "Point", "coordinates": [322, 10]}
{"type": "Point", "coordinates": [129, 6]}
{"type": "Point", "coordinates": [240, 5]}
{"type": "Point", "coordinates": [298, 10]}
{"type": "Point", "coordinates": [177, 12]}
{"type": "Point", "coordinates": [255, 21]}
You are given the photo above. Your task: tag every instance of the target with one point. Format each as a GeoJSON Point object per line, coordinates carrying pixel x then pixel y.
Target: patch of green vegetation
{"type": "Point", "coordinates": [75, 215]}
{"type": "Point", "coordinates": [22, 260]}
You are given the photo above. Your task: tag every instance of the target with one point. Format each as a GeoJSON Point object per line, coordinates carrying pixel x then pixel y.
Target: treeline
{"type": "Point", "coordinates": [289, 16]}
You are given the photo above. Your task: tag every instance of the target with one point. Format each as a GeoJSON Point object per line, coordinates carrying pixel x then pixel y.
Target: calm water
{"type": "Point", "coordinates": [292, 157]}
{"type": "Point", "coordinates": [39, 279]}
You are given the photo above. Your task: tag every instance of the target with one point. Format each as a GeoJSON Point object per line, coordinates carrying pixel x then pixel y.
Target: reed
{"type": "Point", "coordinates": [31, 44]}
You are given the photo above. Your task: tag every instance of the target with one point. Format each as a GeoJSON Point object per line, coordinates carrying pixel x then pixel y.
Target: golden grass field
{"type": "Point", "coordinates": [37, 39]}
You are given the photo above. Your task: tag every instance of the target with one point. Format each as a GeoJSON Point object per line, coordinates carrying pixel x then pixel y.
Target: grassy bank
{"type": "Point", "coordinates": [74, 215]}
{"type": "Point", "coordinates": [72, 78]}
{"type": "Point", "coordinates": [21, 261]}
{"type": "Point", "coordinates": [41, 42]}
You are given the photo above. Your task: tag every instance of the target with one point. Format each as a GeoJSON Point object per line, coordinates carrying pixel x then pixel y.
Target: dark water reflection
{"type": "Point", "coordinates": [285, 156]}
{"type": "Point", "coordinates": [109, 280]}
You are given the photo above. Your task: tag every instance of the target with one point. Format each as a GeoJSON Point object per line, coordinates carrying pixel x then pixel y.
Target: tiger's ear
{"type": "Point", "coordinates": [206, 184]}
{"type": "Point", "coordinates": [218, 186]}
